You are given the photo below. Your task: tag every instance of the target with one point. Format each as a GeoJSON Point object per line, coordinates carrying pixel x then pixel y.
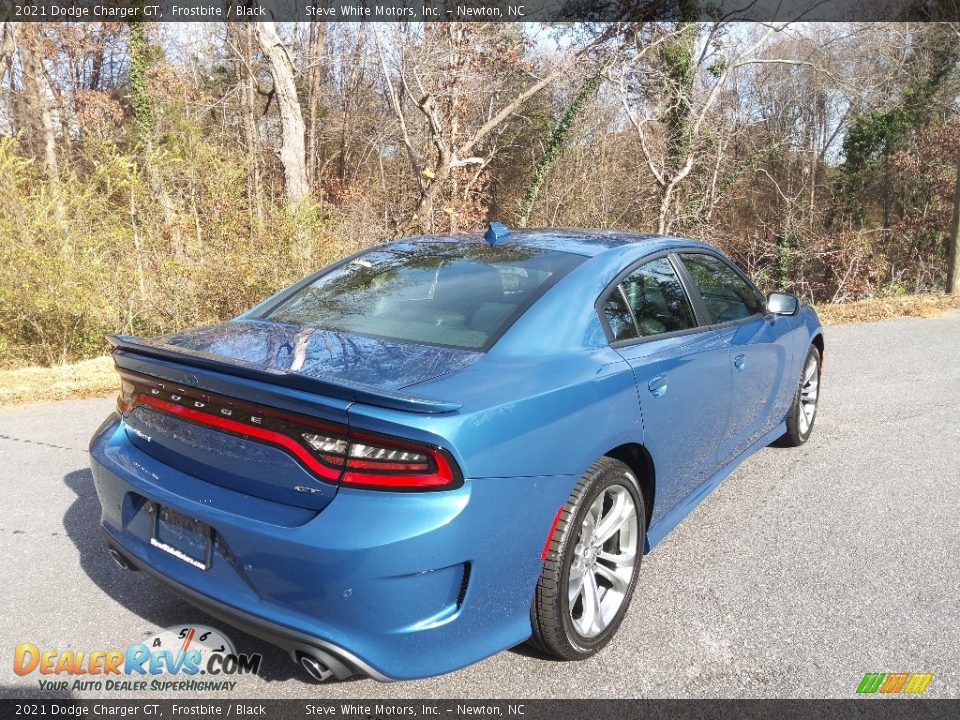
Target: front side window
{"type": "Point", "coordinates": [649, 301]}
{"type": "Point", "coordinates": [727, 296]}
{"type": "Point", "coordinates": [451, 294]}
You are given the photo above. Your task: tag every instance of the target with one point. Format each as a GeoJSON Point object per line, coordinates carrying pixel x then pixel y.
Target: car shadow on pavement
{"type": "Point", "coordinates": [21, 692]}
{"type": "Point", "coordinates": [141, 594]}
{"type": "Point", "coordinates": [527, 650]}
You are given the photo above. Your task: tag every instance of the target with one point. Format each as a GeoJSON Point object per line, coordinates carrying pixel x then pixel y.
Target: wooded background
{"type": "Point", "coordinates": [154, 177]}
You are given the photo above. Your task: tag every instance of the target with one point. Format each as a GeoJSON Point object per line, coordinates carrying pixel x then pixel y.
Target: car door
{"type": "Point", "coordinates": [737, 312]}
{"type": "Point", "coordinates": [682, 373]}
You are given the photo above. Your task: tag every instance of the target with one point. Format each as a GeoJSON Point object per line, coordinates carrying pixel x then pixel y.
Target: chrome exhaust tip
{"type": "Point", "coordinates": [120, 560]}
{"type": "Point", "coordinates": [316, 668]}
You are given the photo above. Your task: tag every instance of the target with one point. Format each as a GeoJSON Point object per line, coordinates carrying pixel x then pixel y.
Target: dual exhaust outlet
{"type": "Point", "coordinates": [319, 668]}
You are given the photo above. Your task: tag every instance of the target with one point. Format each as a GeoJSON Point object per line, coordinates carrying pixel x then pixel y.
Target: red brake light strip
{"type": "Point", "coordinates": [328, 466]}
{"type": "Point", "coordinates": [269, 436]}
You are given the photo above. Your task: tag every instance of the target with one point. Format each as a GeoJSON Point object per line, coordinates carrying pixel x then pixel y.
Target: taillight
{"type": "Point", "coordinates": [330, 449]}
{"type": "Point", "coordinates": [375, 460]}
{"type": "Point", "coordinates": [379, 461]}
{"type": "Point", "coordinates": [127, 393]}
{"type": "Point", "coordinates": [330, 452]}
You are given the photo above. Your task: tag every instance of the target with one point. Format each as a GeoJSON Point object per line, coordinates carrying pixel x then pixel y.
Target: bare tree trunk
{"type": "Point", "coordinates": [9, 100]}
{"type": "Point", "coordinates": [316, 74]}
{"type": "Point", "coordinates": [144, 123]}
{"type": "Point", "coordinates": [63, 111]}
{"type": "Point", "coordinates": [97, 69]}
{"type": "Point", "coordinates": [38, 103]}
{"type": "Point", "coordinates": [664, 216]}
{"type": "Point", "coordinates": [349, 94]}
{"type": "Point", "coordinates": [242, 45]}
{"type": "Point", "coordinates": [292, 151]}
{"type": "Point", "coordinates": [953, 241]}
{"type": "Point", "coordinates": [7, 48]}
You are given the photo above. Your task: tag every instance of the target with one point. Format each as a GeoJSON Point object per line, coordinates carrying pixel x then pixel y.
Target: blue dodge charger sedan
{"type": "Point", "coordinates": [441, 447]}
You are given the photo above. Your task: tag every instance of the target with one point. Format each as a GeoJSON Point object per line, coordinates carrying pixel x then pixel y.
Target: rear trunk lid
{"type": "Point", "coordinates": [322, 354]}
{"type": "Point", "coordinates": [231, 403]}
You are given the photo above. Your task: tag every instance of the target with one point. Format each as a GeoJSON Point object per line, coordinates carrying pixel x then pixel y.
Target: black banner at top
{"type": "Point", "coordinates": [478, 10]}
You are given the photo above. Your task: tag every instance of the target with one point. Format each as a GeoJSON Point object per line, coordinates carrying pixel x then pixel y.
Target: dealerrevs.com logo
{"type": "Point", "coordinates": [190, 658]}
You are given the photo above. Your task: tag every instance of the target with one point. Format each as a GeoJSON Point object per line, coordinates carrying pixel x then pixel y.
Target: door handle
{"type": "Point", "coordinates": [658, 385]}
{"type": "Point", "coordinates": [740, 362]}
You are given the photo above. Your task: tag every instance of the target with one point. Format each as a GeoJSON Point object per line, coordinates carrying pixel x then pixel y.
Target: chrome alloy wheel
{"type": "Point", "coordinates": [809, 392]}
{"type": "Point", "coordinates": [604, 561]}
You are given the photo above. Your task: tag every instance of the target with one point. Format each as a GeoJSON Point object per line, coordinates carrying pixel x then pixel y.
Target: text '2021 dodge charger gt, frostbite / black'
{"type": "Point", "coordinates": [444, 446]}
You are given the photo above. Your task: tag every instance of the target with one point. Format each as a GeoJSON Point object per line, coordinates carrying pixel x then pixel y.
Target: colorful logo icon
{"type": "Point", "coordinates": [187, 651]}
{"type": "Point", "coordinates": [894, 683]}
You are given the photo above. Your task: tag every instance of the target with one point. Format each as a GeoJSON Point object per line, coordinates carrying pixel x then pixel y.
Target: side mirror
{"type": "Point", "coordinates": [780, 303]}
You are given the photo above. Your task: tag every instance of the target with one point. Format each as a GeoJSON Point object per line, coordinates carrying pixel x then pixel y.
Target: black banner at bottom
{"type": "Point", "coordinates": [882, 709]}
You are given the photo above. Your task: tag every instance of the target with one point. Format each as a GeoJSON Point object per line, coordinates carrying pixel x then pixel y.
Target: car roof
{"type": "Point", "coordinates": [588, 243]}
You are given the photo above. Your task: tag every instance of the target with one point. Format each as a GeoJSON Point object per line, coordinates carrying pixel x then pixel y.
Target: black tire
{"type": "Point", "coordinates": [798, 428]}
{"type": "Point", "coordinates": [554, 628]}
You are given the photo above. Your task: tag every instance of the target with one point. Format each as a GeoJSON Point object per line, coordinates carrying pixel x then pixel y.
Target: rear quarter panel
{"type": "Point", "coordinates": [520, 418]}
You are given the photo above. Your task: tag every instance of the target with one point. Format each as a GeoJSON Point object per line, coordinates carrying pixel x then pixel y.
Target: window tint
{"type": "Point", "coordinates": [619, 316]}
{"type": "Point", "coordinates": [655, 303]}
{"type": "Point", "coordinates": [657, 299]}
{"type": "Point", "coordinates": [454, 294]}
{"type": "Point", "coordinates": [726, 294]}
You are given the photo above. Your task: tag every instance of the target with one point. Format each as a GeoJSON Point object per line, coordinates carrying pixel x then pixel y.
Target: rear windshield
{"type": "Point", "coordinates": [450, 294]}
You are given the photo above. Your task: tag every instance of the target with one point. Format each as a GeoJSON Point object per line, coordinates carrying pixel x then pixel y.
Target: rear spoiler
{"type": "Point", "coordinates": [126, 350]}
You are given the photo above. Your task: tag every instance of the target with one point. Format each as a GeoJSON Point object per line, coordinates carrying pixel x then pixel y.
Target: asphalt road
{"type": "Point", "coordinates": [805, 569]}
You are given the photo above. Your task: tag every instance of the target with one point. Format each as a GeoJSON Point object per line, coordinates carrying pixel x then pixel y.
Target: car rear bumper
{"type": "Point", "coordinates": [343, 663]}
{"type": "Point", "coordinates": [391, 585]}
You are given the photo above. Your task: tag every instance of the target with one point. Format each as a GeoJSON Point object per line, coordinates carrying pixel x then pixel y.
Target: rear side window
{"type": "Point", "coordinates": [727, 296]}
{"type": "Point", "coordinates": [621, 321]}
{"type": "Point", "coordinates": [450, 294]}
{"type": "Point", "coordinates": [649, 301]}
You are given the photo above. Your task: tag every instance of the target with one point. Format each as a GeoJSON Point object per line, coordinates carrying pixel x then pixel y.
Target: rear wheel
{"type": "Point", "coordinates": [803, 411]}
{"type": "Point", "coordinates": [590, 572]}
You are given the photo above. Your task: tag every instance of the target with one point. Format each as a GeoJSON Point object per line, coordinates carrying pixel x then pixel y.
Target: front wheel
{"type": "Point", "coordinates": [591, 568]}
{"type": "Point", "coordinates": [803, 410]}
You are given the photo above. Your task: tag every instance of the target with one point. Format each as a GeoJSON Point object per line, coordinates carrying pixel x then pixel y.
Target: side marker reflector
{"type": "Point", "coordinates": [553, 529]}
